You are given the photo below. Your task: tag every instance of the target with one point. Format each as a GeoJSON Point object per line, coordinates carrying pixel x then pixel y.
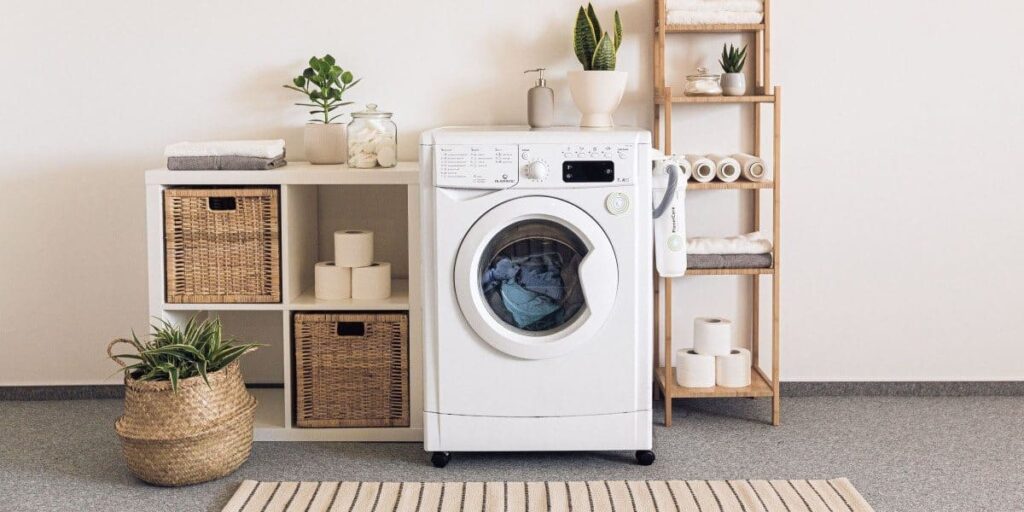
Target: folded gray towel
{"type": "Point", "coordinates": [224, 163]}
{"type": "Point", "coordinates": [728, 260]}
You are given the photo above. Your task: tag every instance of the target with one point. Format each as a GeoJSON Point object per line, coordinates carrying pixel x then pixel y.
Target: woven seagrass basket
{"type": "Point", "coordinates": [198, 434]}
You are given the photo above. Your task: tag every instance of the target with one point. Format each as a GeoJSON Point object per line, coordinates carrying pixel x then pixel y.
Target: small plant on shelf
{"type": "Point", "coordinates": [330, 82]}
{"type": "Point", "coordinates": [732, 61]}
{"type": "Point", "coordinates": [596, 49]}
{"type": "Point", "coordinates": [174, 354]}
{"type": "Point", "coordinates": [598, 88]}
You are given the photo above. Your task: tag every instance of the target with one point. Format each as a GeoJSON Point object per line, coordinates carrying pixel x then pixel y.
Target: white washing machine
{"type": "Point", "coordinates": [537, 290]}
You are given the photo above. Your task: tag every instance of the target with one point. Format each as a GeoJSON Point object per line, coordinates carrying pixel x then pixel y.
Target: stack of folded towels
{"type": "Point", "coordinates": [706, 12]}
{"type": "Point", "coordinates": [751, 250]}
{"type": "Point", "coordinates": [226, 155]}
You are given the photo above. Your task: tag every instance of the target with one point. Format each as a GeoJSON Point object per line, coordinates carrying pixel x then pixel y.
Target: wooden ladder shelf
{"type": "Point", "coordinates": [762, 384]}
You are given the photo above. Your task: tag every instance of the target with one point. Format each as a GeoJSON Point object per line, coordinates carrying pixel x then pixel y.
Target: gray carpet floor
{"type": "Point", "coordinates": [903, 454]}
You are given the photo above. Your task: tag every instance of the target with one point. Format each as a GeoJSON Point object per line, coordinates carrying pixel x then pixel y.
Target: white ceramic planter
{"type": "Point", "coordinates": [597, 94]}
{"type": "Point", "coordinates": [734, 84]}
{"type": "Point", "coordinates": [325, 143]}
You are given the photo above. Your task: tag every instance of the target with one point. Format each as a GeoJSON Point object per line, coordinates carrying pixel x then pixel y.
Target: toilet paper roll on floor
{"type": "Point", "coordinates": [712, 336]}
{"type": "Point", "coordinates": [703, 169]}
{"type": "Point", "coordinates": [372, 281]}
{"type": "Point", "coordinates": [752, 167]}
{"type": "Point", "coordinates": [353, 248]}
{"type": "Point", "coordinates": [332, 282]}
{"type": "Point", "coordinates": [733, 369]}
{"type": "Point", "coordinates": [694, 370]}
{"type": "Point", "coordinates": [727, 168]}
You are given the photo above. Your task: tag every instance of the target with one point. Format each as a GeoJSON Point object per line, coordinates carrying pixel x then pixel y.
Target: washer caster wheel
{"type": "Point", "coordinates": [644, 457]}
{"type": "Point", "coordinates": [441, 459]}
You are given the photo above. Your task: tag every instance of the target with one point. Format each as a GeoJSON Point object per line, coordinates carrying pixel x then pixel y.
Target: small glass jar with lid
{"type": "Point", "coordinates": [372, 139]}
{"type": "Point", "coordinates": [703, 84]}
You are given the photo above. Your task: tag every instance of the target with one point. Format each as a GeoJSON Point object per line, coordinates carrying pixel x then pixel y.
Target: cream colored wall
{"type": "Point", "coordinates": [902, 126]}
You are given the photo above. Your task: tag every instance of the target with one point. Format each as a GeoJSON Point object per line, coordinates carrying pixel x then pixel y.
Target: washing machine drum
{"type": "Point", "coordinates": [536, 277]}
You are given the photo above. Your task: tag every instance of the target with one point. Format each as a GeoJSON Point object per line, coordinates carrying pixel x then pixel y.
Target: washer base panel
{"type": "Point", "coordinates": [606, 432]}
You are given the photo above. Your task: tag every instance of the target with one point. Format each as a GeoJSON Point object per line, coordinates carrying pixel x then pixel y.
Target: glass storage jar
{"type": "Point", "coordinates": [703, 84]}
{"type": "Point", "coordinates": [372, 139]}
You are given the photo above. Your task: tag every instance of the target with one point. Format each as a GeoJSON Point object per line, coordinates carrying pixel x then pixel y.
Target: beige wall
{"type": "Point", "coordinates": [901, 139]}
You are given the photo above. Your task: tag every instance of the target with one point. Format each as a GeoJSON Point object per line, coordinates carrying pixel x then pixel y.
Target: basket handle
{"type": "Point", "coordinates": [351, 328]}
{"type": "Point", "coordinates": [221, 204]}
{"type": "Point", "coordinates": [110, 350]}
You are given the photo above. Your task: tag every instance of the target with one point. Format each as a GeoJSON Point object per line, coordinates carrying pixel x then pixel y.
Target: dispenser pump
{"type": "Point", "coordinates": [540, 102]}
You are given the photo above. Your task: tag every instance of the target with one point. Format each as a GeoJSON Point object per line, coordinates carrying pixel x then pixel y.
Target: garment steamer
{"type": "Point", "coordinates": [668, 187]}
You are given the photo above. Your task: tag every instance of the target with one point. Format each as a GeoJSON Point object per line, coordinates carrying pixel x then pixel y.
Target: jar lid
{"type": "Point", "coordinates": [371, 111]}
{"type": "Point", "coordinates": [702, 74]}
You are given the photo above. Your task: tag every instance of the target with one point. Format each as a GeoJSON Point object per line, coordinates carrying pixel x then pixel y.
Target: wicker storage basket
{"type": "Point", "coordinates": [198, 434]}
{"type": "Point", "coordinates": [222, 245]}
{"type": "Point", "coordinates": [351, 370]}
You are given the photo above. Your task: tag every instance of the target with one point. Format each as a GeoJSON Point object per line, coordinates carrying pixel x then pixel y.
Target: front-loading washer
{"type": "Point", "coordinates": [537, 290]}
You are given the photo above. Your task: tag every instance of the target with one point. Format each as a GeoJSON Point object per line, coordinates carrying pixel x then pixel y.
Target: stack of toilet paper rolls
{"type": "Point", "coordinates": [353, 273]}
{"type": "Point", "coordinates": [712, 360]}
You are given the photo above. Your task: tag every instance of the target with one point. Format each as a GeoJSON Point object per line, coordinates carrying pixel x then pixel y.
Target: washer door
{"type": "Point", "coordinates": [536, 277]}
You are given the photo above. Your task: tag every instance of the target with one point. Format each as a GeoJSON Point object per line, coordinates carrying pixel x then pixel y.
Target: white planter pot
{"type": "Point", "coordinates": [325, 143]}
{"type": "Point", "coordinates": [734, 84]}
{"type": "Point", "coordinates": [597, 94]}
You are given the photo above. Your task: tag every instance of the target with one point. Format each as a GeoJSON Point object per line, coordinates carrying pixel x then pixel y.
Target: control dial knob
{"type": "Point", "coordinates": [537, 170]}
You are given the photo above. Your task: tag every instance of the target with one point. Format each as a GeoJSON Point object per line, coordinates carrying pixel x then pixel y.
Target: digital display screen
{"type": "Point", "coordinates": [588, 171]}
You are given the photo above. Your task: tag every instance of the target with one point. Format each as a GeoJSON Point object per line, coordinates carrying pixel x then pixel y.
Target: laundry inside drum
{"type": "Point", "coordinates": [530, 276]}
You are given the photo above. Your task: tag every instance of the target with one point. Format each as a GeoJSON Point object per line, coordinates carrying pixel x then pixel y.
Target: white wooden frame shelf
{"type": "Point", "coordinates": [301, 213]}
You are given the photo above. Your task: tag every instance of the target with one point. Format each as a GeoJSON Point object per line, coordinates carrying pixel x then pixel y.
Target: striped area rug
{"type": "Point", "coordinates": [599, 496]}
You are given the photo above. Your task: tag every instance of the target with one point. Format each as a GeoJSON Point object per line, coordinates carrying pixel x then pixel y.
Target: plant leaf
{"type": "Point", "coordinates": [594, 22]}
{"type": "Point", "coordinates": [618, 31]}
{"type": "Point", "coordinates": [604, 55]}
{"type": "Point", "coordinates": [584, 39]}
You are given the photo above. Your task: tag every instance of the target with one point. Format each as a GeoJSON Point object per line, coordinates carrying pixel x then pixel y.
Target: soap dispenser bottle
{"type": "Point", "coordinates": [540, 102]}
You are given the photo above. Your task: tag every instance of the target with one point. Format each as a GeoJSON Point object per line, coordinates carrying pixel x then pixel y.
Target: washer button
{"type": "Point", "coordinates": [617, 203]}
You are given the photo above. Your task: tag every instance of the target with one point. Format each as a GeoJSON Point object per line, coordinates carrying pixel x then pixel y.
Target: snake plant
{"type": "Point", "coordinates": [174, 353]}
{"type": "Point", "coordinates": [733, 59]}
{"type": "Point", "coordinates": [595, 48]}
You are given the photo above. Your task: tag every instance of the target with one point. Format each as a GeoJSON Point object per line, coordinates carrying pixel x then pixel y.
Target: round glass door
{"type": "Point", "coordinates": [536, 285]}
{"type": "Point", "coordinates": [529, 276]}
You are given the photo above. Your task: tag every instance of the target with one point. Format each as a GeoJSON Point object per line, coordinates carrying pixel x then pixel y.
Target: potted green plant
{"type": "Point", "coordinates": [732, 61]}
{"type": "Point", "coordinates": [597, 89]}
{"type": "Point", "coordinates": [324, 83]}
{"type": "Point", "coordinates": [187, 415]}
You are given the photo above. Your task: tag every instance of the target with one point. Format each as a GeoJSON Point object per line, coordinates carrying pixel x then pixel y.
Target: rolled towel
{"type": "Point", "coordinates": [727, 169]}
{"type": "Point", "coordinates": [752, 166]}
{"type": "Point", "coordinates": [750, 243]}
{"type": "Point", "coordinates": [224, 163]}
{"type": "Point", "coordinates": [702, 168]}
{"type": "Point", "coordinates": [728, 261]}
{"type": "Point", "coordinates": [253, 148]}
{"type": "Point", "coordinates": [716, 5]}
{"type": "Point", "coordinates": [712, 17]}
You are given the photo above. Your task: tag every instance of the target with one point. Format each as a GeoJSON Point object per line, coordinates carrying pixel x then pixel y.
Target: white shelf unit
{"type": "Point", "coordinates": [315, 201]}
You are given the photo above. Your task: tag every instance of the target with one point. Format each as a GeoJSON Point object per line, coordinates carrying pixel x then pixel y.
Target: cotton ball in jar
{"type": "Point", "coordinates": [386, 156]}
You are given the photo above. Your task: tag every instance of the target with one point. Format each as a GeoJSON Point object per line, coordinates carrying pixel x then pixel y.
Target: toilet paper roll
{"type": "Point", "coordinates": [712, 336]}
{"type": "Point", "coordinates": [694, 370]}
{"type": "Point", "coordinates": [702, 168]}
{"type": "Point", "coordinates": [372, 281]}
{"type": "Point", "coordinates": [353, 248]}
{"type": "Point", "coordinates": [727, 168]}
{"type": "Point", "coordinates": [752, 167]}
{"type": "Point", "coordinates": [733, 369]}
{"type": "Point", "coordinates": [331, 282]}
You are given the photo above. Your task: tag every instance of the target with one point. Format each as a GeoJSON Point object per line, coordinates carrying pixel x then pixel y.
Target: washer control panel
{"type": "Point", "coordinates": [497, 166]}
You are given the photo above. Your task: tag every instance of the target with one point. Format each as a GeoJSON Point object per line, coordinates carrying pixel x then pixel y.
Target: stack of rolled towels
{"type": "Point", "coordinates": [226, 155]}
{"type": "Point", "coordinates": [353, 274]}
{"type": "Point", "coordinates": [752, 250]}
{"type": "Point", "coordinates": [726, 168]}
{"type": "Point", "coordinates": [713, 361]}
{"type": "Point", "coordinates": [710, 12]}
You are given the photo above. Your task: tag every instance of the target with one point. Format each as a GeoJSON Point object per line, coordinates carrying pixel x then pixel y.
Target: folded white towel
{"type": "Point", "coordinates": [716, 5]}
{"type": "Point", "coordinates": [750, 243]}
{"type": "Point", "coordinates": [712, 17]}
{"type": "Point", "coordinates": [253, 148]}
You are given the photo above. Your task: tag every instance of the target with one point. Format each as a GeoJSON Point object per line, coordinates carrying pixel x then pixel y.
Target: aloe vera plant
{"type": "Point", "coordinates": [174, 353]}
{"type": "Point", "coordinates": [595, 48]}
{"type": "Point", "coordinates": [733, 59]}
